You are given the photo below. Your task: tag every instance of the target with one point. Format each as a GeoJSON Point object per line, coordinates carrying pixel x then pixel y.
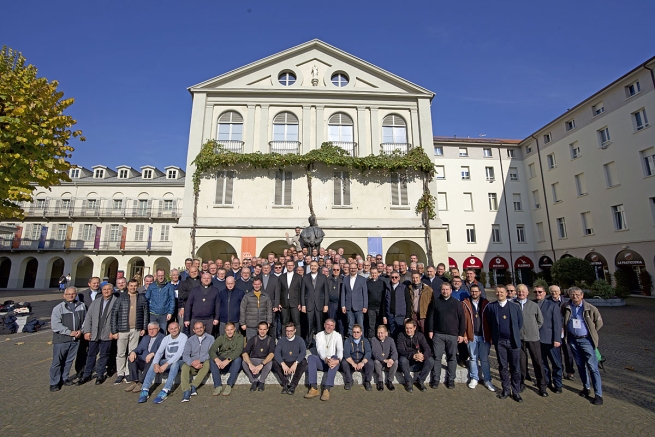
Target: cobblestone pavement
{"type": "Point", "coordinates": [627, 340]}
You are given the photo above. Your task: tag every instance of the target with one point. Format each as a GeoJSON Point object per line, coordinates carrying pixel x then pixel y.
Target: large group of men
{"type": "Point", "coordinates": [357, 314]}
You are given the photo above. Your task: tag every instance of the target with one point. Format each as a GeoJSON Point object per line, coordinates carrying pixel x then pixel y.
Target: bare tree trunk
{"type": "Point", "coordinates": [426, 222]}
{"type": "Point", "coordinates": [309, 190]}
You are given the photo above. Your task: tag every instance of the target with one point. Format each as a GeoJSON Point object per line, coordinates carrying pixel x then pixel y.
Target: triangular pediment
{"type": "Point", "coordinates": [313, 65]}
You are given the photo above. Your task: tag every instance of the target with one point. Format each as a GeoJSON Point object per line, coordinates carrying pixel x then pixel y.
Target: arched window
{"type": "Point", "coordinates": [394, 129]}
{"type": "Point", "coordinates": [230, 126]}
{"type": "Point", "coordinates": [340, 128]}
{"type": "Point", "coordinates": [285, 127]}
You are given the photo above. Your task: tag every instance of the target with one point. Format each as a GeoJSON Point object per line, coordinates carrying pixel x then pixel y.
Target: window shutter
{"type": "Point", "coordinates": [337, 188]}
{"type": "Point", "coordinates": [346, 189]}
{"type": "Point", "coordinates": [285, 118]}
{"type": "Point", "coordinates": [230, 117]}
{"type": "Point", "coordinates": [80, 233]}
{"type": "Point", "coordinates": [149, 208]}
{"type": "Point", "coordinates": [287, 188]}
{"type": "Point", "coordinates": [161, 207]}
{"type": "Point", "coordinates": [106, 231]}
{"type": "Point", "coordinates": [220, 183]}
{"type": "Point", "coordinates": [229, 183]}
{"type": "Point", "coordinates": [28, 230]}
{"type": "Point", "coordinates": [403, 189]}
{"type": "Point", "coordinates": [393, 120]}
{"type": "Point", "coordinates": [394, 188]}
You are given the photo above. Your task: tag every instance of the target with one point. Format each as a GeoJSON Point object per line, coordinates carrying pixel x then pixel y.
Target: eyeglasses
{"type": "Point", "coordinates": [539, 291]}
{"type": "Point", "coordinates": [395, 277]}
{"type": "Point", "coordinates": [290, 330]}
{"type": "Point", "coordinates": [335, 270]}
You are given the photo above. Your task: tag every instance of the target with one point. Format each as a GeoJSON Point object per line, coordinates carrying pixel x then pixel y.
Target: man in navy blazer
{"type": "Point", "coordinates": [550, 339]}
{"type": "Point", "coordinates": [354, 297]}
{"type": "Point", "coordinates": [314, 299]}
{"type": "Point", "coordinates": [505, 319]}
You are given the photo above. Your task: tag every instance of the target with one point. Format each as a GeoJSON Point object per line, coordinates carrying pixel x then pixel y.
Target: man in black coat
{"type": "Point", "coordinates": [314, 298]}
{"type": "Point", "coordinates": [550, 339]}
{"type": "Point", "coordinates": [191, 282]}
{"type": "Point", "coordinates": [415, 355]}
{"type": "Point", "coordinates": [290, 285]}
{"type": "Point", "coordinates": [86, 296]}
{"type": "Point", "coordinates": [271, 286]}
{"type": "Point", "coordinates": [129, 320]}
{"type": "Point", "coordinates": [377, 290]}
{"type": "Point", "coordinates": [202, 305]}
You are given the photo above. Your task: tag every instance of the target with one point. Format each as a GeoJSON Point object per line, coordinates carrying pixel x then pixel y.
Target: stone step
{"type": "Point", "coordinates": [462, 377]}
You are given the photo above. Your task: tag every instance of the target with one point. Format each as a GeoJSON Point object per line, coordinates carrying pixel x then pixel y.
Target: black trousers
{"type": "Point", "coordinates": [534, 349]}
{"type": "Point", "coordinates": [509, 361]}
{"type": "Point", "coordinates": [300, 371]}
{"type": "Point", "coordinates": [424, 368]}
{"type": "Point", "coordinates": [137, 366]}
{"type": "Point", "coordinates": [291, 314]}
{"type": "Point", "coordinates": [80, 359]}
{"type": "Point", "coordinates": [314, 323]}
{"type": "Point", "coordinates": [97, 347]}
{"type": "Point", "coordinates": [373, 319]}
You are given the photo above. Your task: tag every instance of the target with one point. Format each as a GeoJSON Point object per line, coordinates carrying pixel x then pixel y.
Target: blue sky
{"type": "Point", "coordinates": [503, 69]}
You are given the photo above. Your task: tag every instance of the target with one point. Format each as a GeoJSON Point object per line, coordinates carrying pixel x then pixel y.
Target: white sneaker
{"type": "Point", "coordinates": [473, 383]}
{"type": "Point", "coordinates": [489, 386]}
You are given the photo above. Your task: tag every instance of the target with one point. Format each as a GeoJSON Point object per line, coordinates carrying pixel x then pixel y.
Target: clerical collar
{"type": "Point", "coordinates": [503, 303]}
{"type": "Point", "coordinates": [291, 339]}
{"type": "Point", "coordinates": [262, 338]}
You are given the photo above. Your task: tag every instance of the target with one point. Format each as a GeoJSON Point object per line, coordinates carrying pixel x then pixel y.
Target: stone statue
{"type": "Point", "coordinates": [314, 72]}
{"type": "Point", "coordinates": [312, 236]}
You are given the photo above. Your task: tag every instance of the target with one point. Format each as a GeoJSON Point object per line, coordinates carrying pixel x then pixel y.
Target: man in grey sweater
{"type": "Point", "coordinates": [196, 360]}
{"type": "Point", "coordinates": [530, 343]}
{"type": "Point", "coordinates": [385, 357]}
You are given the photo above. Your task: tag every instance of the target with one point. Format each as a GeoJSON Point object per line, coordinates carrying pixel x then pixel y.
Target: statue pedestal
{"type": "Point", "coordinates": [314, 82]}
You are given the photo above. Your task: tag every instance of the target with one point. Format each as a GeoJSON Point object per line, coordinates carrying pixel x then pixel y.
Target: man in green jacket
{"type": "Point", "coordinates": [225, 357]}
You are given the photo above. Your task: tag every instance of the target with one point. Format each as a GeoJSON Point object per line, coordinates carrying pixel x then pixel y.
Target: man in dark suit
{"type": "Point", "coordinates": [505, 319]}
{"type": "Point", "coordinates": [290, 284]}
{"type": "Point", "coordinates": [432, 280]}
{"type": "Point", "coordinates": [271, 286]}
{"type": "Point", "coordinates": [86, 296]}
{"type": "Point", "coordinates": [550, 338]}
{"type": "Point", "coordinates": [314, 298]}
{"type": "Point", "coordinates": [354, 298]}
{"type": "Point", "coordinates": [398, 305]}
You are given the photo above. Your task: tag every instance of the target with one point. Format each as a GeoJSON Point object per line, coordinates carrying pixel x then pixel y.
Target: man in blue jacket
{"type": "Point", "coordinates": [357, 357]}
{"type": "Point", "coordinates": [161, 300]}
{"type": "Point", "coordinates": [505, 320]}
{"type": "Point", "coordinates": [550, 338]}
{"type": "Point", "coordinates": [229, 304]}
{"type": "Point", "coordinates": [354, 298]}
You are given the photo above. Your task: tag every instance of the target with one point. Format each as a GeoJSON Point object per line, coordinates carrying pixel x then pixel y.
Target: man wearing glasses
{"type": "Point", "coordinates": [357, 357]}
{"type": "Point", "coordinates": [289, 363]}
{"type": "Point", "coordinates": [397, 306]}
{"type": "Point", "coordinates": [511, 293]}
{"type": "Point", "coordinates": [550, 337]}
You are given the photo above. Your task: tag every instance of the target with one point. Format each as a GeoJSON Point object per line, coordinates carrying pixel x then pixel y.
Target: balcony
{"type": "Point", "coordinates": [389, 148]}
{"type": "Point", "coordinates": [165, 208]}
{"type": "Point", "coordinates": [348, 146]}
{"type": "Point", "coordinates": [233, 146]}
{"type": "Point", "coordinates": [285, 147]}
{"type": "Point", "coordinates": [26, 244]}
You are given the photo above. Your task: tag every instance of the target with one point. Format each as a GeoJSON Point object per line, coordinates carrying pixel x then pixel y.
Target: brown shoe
{"type": "Point", "coordinates": [137, 388]}
{"type": "Point", "coordinates": [130, 386]}
{"type": "Point", "coordinates": [326, 395]}
{"type": "Point", "coordinates": [312, 393]}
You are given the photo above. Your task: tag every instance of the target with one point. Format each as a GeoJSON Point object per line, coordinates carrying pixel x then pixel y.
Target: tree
{"type": "Point", "coordinates": [567, 271]}
{"type": "Point", "coordinates": [34, 133]}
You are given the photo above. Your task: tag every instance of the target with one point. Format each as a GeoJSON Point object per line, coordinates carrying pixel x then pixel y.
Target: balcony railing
{"type": "Point", "coordinates": [52, 244]}
{"type": "Point", "coordinates": [389, 148]}
{"type": "Point", "coordinates": [348, 146]}
{"type": "Point", "coordinates": [231, 145]}
{"type": "Point", "coordinates": [139, 212]}
{"type": "Point", "coordinates": [285, 147]}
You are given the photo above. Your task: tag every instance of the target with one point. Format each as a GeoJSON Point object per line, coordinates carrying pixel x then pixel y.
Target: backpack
{"type": "Point", "coordinates": [8, 324]}
{"type": "Point", "coordinates": [33, 325]}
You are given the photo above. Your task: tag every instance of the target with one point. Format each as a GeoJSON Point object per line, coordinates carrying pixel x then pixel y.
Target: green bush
{"type": "Point", "coordinates": [567, 271]}
{"type": "Point", "coordinates": [602, 289]}
{"type": "Point", "coordinates": [646, 282]}
{"type": "Point", "coordinates": [540, 282]}
{"type": "Point", "coordinates": [483, 278]}
{"type": "Point", "coordinates": [622, 278]}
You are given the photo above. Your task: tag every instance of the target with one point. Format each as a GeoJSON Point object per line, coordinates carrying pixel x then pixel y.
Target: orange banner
{"type": "Point", "coordinates": [248, 247]}
{"type": "Point", "coordinates": [17, 236]}
{"type": "Point", "coordinates": [123, 237]}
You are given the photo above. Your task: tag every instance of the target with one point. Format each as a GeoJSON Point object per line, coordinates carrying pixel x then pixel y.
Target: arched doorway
{"type": "Point", "coordinates": [277, 247]}
{"type": "Point", "coordinates": [31, 268]}
{"type": "Point", "coordinates": [82, 271]}
{"type": "Point", "coordinates": [629, 265]}
{"type": "Point", "coordinates": [136, 266]}
{"type": "Point", "coordinates": [56, 271]}
{"type": "Point", "coordinates": [5, 270]}
{"type": "Point", "coordinates": [216, 249]}
{"type": "Point", "coordinates": [162, 263]}
{"type": "Point", "coordinates": [401, 250]}
{"type": "Point", "coordinates": [598, 262]}
{"type": "Point", "coordinates": [109, 269]}
{"type": "Point", "coordinates": [349, 248]}
{"type": "Point", "coordinates": [524, 268]}
{"type": "Point", "coordinates": [498, 267]}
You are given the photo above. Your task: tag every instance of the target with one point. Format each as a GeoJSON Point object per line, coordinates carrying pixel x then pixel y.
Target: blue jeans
{"type": "Point", "coordinates": [585, 357]}
{"type": "Point", "coordinates": [395, 324]}
{"type": "Point", "coordinates": [314, 363]}
{"type": "Point", "coordinates": [172, 374]}
{"type": "Point", "coordinates": [163, 323]}
{"type": "Point", "coordinates": [479, 350]}
{"type": "Point", "coordinates": [354, 317]}
{"type": "Point", "coordinates": [233, 369]}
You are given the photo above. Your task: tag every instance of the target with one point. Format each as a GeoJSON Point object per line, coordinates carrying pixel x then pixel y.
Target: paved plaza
{"type": "Point", "coordinates": [627, 341]}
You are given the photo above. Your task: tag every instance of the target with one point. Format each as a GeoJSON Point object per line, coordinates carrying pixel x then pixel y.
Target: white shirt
{"type": "Point", "coordinates": [503, 303]}
{"type": "Point", "coordinates": [289, 278]}
{"type": "Point", "coordinates": [329, 345]}
{"type": "Point", "coordinates": [352, 282]}
{"type": "Point", "coordinates": [314, 275]}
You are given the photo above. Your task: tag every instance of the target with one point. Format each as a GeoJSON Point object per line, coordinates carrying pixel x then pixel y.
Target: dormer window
{"type": "Point", "coordinates": [99, 173]}
{"type": "Point", "coordinates": [147, 174]}
{"type": "Point", "coordinates": [74, 173]}
{"type": "Point", "coordinates": [123, 173]}
{"type": "Point", "coordinates": [171, 174]}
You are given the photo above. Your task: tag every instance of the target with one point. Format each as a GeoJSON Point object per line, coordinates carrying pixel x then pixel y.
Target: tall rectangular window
{"type": "Point", "coordinates": [555, 188]}
{"type": "Point", "coordinates": [466, 173]}
{"type": "Point", "coordinates": [604, 137]}
{"type": "Point", "coordinates": [442, 201]}
{"type": "Point", "coordinates": [440, 171]}
{"type": "Point", "coordinates": [115, 233]}
{"type": "Point", "coordinates": [447, 233]}
{"type": "Point", "coordinates": [341, 188]}
{"type": "Point", "coordinates": [540, 232]}
{"type": "Point", "coordinates": [580, 184]}
{"type": "Point", "coordinates": [619, 218]}
{"type": "Point", "coordinates": [536, 202]}
{"type": "Point", "coordinates": [520, 233]}
{"type": "Point", "coordinates": [117, 204]}
{"type": "Point", "coordinates": [489, 173]}
{"type": "Point", "coordinates": [587, 225]}
{"type": "Point", "coordinates": [493, 202]}
{"type": "Point", "coordinates": [575, 150]}
{"type": "Point", "coordinates": [495, 234]}
{"type": "Point", "coordinates": [648, 161]}
{"type": "Point", "coordinates": [283, 182]}
{"type": "Point", "coordinates": [547, 138]}
{"type": "Point", "coordinates": [468, 201]}
{"type": "Point", "coordinates": [531, 170]}
{"type": "Point", "coordinates": [224, 187]}
{"type": "Point", "coordinates": [123, 173]}
{"type": "Point", "coordinates": [163, 235]}
{"type": "Point", "coordinates": [138, 232]}
{"type": "Point", "coordinates": [611, 177]}
{"type": "Point", "coordinates": [399, 189]}
{"type": "Point", "coordinates": [516, 199]}
{"type": "Point", "coordinates": [640, 119]}
{"type": "Point", "coordinates": [470, 234]}
{"type": "Point", "coordinates": [551, 161]}
{"type": "Point", "coordinates": [61, 232]}
{"type": "Point", "coordinates": [88, 232]}
{"type": "Point", "coordinates": [513, 174]}
{"type": "Point", "coordinates": [561, 227]}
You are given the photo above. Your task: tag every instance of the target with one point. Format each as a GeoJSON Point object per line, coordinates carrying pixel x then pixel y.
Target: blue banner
{"type": "Point", "coordinates": [44, 234]}
{"type": "Point", "coordinates": [374, 245]}
{"type": "Point", "coordinates": [149, 237]}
